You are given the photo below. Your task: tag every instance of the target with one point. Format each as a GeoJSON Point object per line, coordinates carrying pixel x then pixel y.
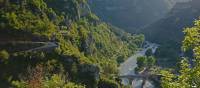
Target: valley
{"type": "Point", "coordinates": [131, 15]}
{"type": "Point", "coordinates": [99, 44]}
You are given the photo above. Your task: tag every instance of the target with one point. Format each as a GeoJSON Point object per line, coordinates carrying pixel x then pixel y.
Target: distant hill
{"type": "Point", "coordinates": [169, 31]}
{"type": "Point", "coordinates": [170, 28]}
{"type": "Point", "coordinates": [132, 14]}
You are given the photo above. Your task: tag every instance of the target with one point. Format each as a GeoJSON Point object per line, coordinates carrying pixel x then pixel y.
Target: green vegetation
{"type": "Point", "coordinates": [87, 51]}
{"type": "Point", "coordinates": [151, 61]}
{"type": "Point", "coordinates": [145, 62]}
{"type": "Point", "coordinates": [149, 52]}
{"type": "Point", "coordinates": [61, 43]}
{"type": "Point", "coordinates": [167, 32]}
{"type": "Point", "coordinates": [36, 80]}
{"type": "Point", "coordinates": [168, 54]}
{"type": "Point", "coordinates": [4, 55]}
{"type": "Point", "coordinates": [106, 83]}
{"type": "Point", "coordinates": [188, 74]}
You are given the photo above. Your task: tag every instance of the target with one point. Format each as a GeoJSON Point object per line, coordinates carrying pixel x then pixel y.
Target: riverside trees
{"type": "Point", "coordinates": [188, 76]}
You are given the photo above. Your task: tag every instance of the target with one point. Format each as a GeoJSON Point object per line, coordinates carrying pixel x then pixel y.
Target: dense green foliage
{"type": "Point", "coordinates": [168, 54]}
{"type": "Point", "coordinates": [149, 52]}
{"type": "Point", "coordinates": [86, 49]}
{"type": "Point", "coordinates": [188, 76]}
{"type": "Point", "coordinates": [36, 80]}
{"type": "Point", "coordinates": [108, 83]}
{"type": "Point", "coordinates": [145, 62]}
{"type": "Point", "coordinates": [4, 55]}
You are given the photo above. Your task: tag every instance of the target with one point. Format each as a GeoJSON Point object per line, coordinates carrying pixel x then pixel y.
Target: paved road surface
{"type": "Point", "coordinates": [46, 45]}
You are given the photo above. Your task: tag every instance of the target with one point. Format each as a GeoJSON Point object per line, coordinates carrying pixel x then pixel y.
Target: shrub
{"type": "Point", "coordinates": [38, 78]}
{"type": "Point", "coordinates": [107, 83]}
{"type": "Point", "coordinates": [149, 52]}
{"type": "Point", "coordinates": [58, 81]}
{"type": "Point", "coordinates": [4, 55]}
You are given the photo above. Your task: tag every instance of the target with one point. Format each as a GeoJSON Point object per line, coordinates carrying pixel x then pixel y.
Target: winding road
{"type": "Point", "coordinates": [128, 67]}
{"type": "Point", "coordinates": [46, 45]}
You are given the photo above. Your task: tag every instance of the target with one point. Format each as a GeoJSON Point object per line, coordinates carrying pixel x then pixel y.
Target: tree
{"type": "Point", "coordinates": [189, 77]}
{"type": "Point", "coordinates": [37, 78]}
{"type": "Point", "coordinates": [106, 83]}
{"type": "Point", "coordinates": [141, 61]}
{"type": "Point", "coordinates": [149, 52]}
{"type": "Point", "coordinates": [4, 55]}
{"type": "Point", "coordinates": [151, 61]}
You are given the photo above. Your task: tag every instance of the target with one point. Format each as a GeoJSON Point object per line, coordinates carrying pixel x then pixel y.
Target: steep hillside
{"type": "Point", "coordinates": [131, 14]}
{"type": "Point", "coordinates": [169, 29]}
{"type": "Point", "coordinates": [59, 43]}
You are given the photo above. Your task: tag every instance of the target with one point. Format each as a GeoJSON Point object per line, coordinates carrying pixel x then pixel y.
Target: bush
{"type": "Point", "coordinates": [89, 75]}
{"type": "Point", "coordinates": [141, 61]}
{"type": "Point", "coordinates": [4, 55]}
{"type": "Point", "coordinates": [38, 78]}
{"type": "Point", "coordinates": [55, 81]}
{"type": "Point", "coordinates": [151, 61]}
{"type": "Point", "coordinates": [149, 52]}
{"type": "Point", "coordinates": [106, 83]}
{"type": "Point", "coordinates": [58, 81]}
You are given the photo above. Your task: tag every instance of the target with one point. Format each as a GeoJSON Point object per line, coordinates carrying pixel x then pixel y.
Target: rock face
{"type": "Point", "coordinates": [131, 14]}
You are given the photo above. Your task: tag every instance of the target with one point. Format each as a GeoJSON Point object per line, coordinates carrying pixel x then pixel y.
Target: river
{"type": "Point", "coordinates": [128, 67]}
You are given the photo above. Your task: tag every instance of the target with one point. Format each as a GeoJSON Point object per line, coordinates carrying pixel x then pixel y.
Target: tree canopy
{"type": "Point", "coordinates": [188, 76]}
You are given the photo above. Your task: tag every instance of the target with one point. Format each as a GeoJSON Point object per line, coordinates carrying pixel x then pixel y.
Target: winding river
{"type": "Point", "coordinates": [128, 67]}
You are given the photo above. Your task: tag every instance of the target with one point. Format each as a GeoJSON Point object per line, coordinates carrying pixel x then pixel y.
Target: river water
{"type": "Point", "coordinates": [128, 67]}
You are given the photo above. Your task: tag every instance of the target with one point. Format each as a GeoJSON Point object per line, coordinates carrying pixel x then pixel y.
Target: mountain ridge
{"type": "Point", "coordinates": [132, 14]}
{"type": "Point", "coordinates": [170, 29]}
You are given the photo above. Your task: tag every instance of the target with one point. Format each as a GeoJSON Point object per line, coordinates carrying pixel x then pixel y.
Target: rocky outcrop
{"type": "Point", "coordinates": [86, 45]}
{"type": "Point", "coordinates": [84, 9]}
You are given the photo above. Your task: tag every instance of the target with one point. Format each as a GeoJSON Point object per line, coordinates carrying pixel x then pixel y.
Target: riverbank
{"type": "Point", "coordinates": [128, 67]}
